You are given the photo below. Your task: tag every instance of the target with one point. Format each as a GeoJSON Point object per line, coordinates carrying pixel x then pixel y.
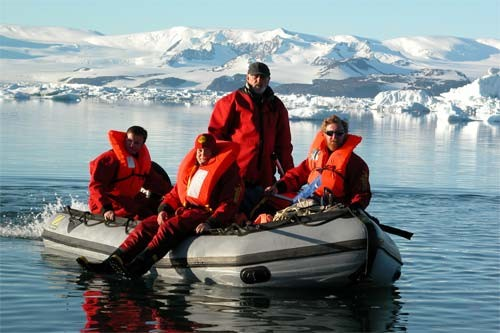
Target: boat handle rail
{"type": "Point", "coordinates": [78, 217]}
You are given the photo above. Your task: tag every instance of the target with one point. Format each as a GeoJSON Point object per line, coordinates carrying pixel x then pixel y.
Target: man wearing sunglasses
{"type": "Point", "coordinates": [332, 172]}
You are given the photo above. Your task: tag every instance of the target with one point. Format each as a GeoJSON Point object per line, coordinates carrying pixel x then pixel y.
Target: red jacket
{"type": "Point", "coordinates": [260, 127]}
{"type": "Point", "coordinates": [222, 184]}
{"type": "Point", "coordinates": [116, 174]}
{"type": "Point", "coordinates": [116, 180]}
{"type": "Point", "coordinates": [349, 182]}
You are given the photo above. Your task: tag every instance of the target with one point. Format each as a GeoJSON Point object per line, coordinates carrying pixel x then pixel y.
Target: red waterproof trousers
{"type": "Point", "coordinates": [161, 239]}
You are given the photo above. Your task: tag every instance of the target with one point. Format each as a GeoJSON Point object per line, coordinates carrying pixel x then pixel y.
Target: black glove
{"type": "Point", "coordinates": [166, 208]}
{"type": "Point", "coordinates": [212, 222]}
{"type": "Point", "coordinates": [355, 206]}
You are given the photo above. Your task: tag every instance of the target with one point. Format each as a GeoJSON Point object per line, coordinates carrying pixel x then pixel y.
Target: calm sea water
{"type": "Point", "coordinates": [438, 180]}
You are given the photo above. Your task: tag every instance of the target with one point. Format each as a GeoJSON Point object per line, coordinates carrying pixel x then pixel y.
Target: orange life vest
{"type": "Point", "coordinates": [331, 166]}
{"type": "Point", "coordinates": [195, 183]}
{"type": "Point", "coordinates": [133, 170]}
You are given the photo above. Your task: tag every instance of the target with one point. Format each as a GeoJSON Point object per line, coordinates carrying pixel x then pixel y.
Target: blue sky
{"type": "Point", "coordinates": [379, 19]}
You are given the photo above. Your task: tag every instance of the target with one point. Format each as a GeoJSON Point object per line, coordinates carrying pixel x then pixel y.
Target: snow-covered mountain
{"type": "Point", "coordinates": [187, 57]}
{"type": "Point", "coordinates": [313, 74]}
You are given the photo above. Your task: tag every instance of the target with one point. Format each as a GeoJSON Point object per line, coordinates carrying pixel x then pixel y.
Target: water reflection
{"type": "Point", "coordinates": [155, 305]}
{"type": "Point", "coordinates": [121, 306]}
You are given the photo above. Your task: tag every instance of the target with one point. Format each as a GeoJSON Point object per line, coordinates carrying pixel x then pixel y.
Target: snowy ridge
{"type": "Point", "coordinates": [46, 34]}
{"type": "Point", "coordinates": [443, 48]}
{"type": "Point", "coordinates": [201, 55]}
{"type": "Point", "coordinates": [314, 75]}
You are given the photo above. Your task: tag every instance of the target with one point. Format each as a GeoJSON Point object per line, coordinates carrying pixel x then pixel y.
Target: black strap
{"type": "Point", "coordinates": [127, 177]}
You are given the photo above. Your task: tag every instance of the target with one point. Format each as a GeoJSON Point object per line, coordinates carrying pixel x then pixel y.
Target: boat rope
{"type": "Point", "coordinates": [128, 223]}
{"type": "Point", "coordinates": [307, 213]}
{"type": "Point", "coordinates": [233, 229]}
{"type": "Point", "coordinates": [77, 217]}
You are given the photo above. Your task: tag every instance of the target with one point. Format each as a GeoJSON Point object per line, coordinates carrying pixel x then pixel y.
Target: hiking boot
{"type": "Point", "coordinates": [103, 267]}
{"type": "Point", "coordinates": [95, 267]}
{"type": "Point", "coordinates": [117, 266]}
{"type": "Point", "coordinates": [141, 264]}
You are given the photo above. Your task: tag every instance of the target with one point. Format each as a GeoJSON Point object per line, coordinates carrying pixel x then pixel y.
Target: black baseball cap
{"type": "Point", "coordinates": [259, 68]}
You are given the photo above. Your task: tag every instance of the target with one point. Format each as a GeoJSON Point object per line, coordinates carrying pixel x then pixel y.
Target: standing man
{"type": "Point", "coordinates": [332, 172]}
{"type": "Point", "coordinates": [124, 181]}
{"type": "Point", "coordinates": [257, 120]}
{"type": "Point", "coordinates": [207, 195]}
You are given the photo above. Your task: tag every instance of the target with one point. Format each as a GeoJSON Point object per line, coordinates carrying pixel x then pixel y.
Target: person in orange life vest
{"type": "Point", "coordinates": [257, 120]}
{"type": "Point", "coordinates": [207, 195]}
{"type": "Point", "coordinates": [117, 176]}
{"type": "Point", "coordinates": [331, 168]}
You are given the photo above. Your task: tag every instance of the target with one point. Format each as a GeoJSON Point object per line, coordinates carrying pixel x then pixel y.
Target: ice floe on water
{"type": "Point", "coordinates": [479, 100]}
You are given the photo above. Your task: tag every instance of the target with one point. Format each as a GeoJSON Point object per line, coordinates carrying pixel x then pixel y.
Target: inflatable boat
{"type": "Point", "coordinates": [311, 246]}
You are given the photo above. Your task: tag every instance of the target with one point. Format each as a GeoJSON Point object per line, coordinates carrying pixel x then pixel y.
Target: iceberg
{"type": "Point", "coordinates": [478, 100]}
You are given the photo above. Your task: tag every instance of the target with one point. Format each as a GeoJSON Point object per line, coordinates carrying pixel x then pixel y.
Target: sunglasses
{"type": "Point", "coordinates": [331, 133]}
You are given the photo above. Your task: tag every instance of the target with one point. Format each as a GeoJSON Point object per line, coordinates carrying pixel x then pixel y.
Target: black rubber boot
{"type": "Point", "coordinates": [141, 264]}
{"type": "Point", "coordinates": [115, 262]}
{"type": "Point", "coordinates": [103, 267]}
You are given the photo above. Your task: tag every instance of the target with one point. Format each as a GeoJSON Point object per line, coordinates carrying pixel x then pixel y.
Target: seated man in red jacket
{"type": "Point", "coordinates": [332, 172]}
{"type": "Point", "coordinates": [207, 195]}
{"type": "Point", "coordinates": [124, 181]}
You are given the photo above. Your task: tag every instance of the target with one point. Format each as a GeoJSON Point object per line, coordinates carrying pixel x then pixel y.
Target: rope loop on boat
{"type": "Point", "coordinates": [233, 229]}
{"type": "Point", "coordinates": [310, 213]}
{"type": "Point", "coordinates": [128, 223]}
{"type": "Point", "coordinates": [77, 217]}
{"type": "Point", "coordinates": [83, 217]}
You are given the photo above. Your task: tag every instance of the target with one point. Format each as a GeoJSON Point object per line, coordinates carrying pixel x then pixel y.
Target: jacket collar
{"type": "Point", "coordinates": [268, 94]}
